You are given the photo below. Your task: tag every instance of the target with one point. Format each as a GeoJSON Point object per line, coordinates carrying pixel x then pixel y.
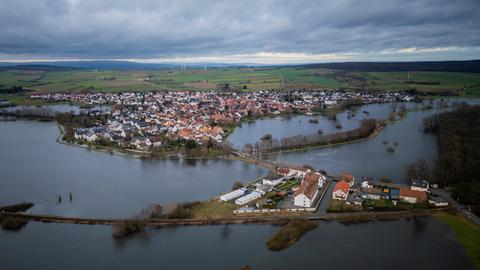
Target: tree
{"type": "Point", "coordinates": [190, 144]}
{"type": "Point", "coordinates": [237, 185]}
{"type": "Point", "coordinates": [419, 170]}
{"type": "Point", "coordinates": [248, 148]}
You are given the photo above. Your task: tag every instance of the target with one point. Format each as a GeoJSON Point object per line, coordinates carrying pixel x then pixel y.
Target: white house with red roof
{"type": "Point", "coordinates": [340, 191]}
{"type": "Point", "coordinates": [306, 194]}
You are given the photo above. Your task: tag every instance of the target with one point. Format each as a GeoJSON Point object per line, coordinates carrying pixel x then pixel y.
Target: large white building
{"type": "Point", "coordinates": [306, 194]}
{"type": "Point", "coordinates": [232, 195]}
{"type": "Point", "coordinates": [248, 198]}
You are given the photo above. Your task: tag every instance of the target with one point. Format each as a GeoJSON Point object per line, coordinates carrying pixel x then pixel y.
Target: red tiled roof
{"type": "Point", "coordinates": [282, 170]}
{"type": "Point", "coordinates": [343, 186]}
{"type": "Point", "coordinates": [308, 186]}
{"type": "Point", "coordinates": [419, 195]}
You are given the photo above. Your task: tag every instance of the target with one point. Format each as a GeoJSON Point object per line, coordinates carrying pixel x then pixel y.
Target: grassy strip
{"type": "Point", "coordinates": [290, 233]}
{"type": "Point", "coordinates": [340, 206]}
{"type": "Point", "coordinates": [288, 185]}
{"type": "Point", "coordinates": [214, 209]}
{"type": "Point", "coordinates": [467, 234]}
{"type": "Point", "coordinates": [355, 219]}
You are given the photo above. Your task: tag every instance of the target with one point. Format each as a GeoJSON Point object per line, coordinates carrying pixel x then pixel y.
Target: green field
{"type": "Point", "coordinates": [246, 79]}
{"type": "Point", "coordinates": [467, 235]}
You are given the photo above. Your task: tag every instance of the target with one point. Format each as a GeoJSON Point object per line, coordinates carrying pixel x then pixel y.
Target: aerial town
{"type": "Point", "coordinates": [302, 188]}
{"type": "Point", "coordinates": [145, 120]}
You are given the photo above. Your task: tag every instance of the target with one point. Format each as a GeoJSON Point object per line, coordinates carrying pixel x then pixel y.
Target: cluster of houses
{"type": "Point", "coordinates": [144, 120]}
{"type": "Point", "coordinates": [303, 195]}
{"type": "Point", "coordinates": [355, 193]}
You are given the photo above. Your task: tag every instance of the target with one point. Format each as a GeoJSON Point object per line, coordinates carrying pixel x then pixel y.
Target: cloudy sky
{"type": "Point", "coordinates": [247, 31]}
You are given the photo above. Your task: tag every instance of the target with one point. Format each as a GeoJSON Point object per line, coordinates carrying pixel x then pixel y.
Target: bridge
{"type": "Point", "coordinates": [271, 165]}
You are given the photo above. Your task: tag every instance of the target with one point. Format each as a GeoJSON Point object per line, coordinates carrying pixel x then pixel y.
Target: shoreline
{"type": "Point", "coordinates": [229, 154]}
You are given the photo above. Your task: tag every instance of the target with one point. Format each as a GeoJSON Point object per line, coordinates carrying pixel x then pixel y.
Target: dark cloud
{"type": "Point", "coordinates": [183, 28]}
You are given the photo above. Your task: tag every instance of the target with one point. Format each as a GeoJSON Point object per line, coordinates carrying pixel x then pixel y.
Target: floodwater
{"type": "Point", "coordinates": [424, 243]}
{"type": "Point", "coordinates": [36, 168]}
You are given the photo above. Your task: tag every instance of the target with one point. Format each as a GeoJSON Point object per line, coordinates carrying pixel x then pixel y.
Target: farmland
{"type": "Point", "coordinates": [245, 79]}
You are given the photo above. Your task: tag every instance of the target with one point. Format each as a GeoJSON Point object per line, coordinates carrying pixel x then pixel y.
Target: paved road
{"type": "Point", "coordinates": [460, 208]}
{"type": "Point", "coordinates": [322, 208]}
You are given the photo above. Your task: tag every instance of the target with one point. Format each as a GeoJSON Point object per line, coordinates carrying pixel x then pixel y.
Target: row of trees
{"type": "Point", "coordinates": [263, 147]}
{"type": "Point", "coordinates": [420, 170]}
{"type": "Point", "coordinates": [31, 112]}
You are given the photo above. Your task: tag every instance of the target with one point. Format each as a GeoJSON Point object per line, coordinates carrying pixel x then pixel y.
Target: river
{"type": "Point", "coordinates": [36, 168]}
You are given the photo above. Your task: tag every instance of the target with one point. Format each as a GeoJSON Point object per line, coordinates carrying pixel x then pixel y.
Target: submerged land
{"type": "Point", "coordinates": [197, 124]}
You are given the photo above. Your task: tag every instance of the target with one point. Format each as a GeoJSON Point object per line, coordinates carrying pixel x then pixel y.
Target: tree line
{"type": "Point", "coordinates": [459, 151]}
{"type": "Point", "coordinates": [265, 146]}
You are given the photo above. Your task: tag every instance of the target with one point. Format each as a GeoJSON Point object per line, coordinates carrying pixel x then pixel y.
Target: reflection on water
{"type": "Point", "coordinates": [102, 184]}
{"type": "Point", "coordinates": [402, 244]}
{"type": "Point", "coordinates": [35, 168]}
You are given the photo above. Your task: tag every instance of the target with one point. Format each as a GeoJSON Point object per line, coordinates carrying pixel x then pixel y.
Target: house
{"type": "Point", "coordinates": [420, 185]}
{"type": "Point", "coordinates": [437, 201]}
{"type": "Point", "coordinates": [306, 194]}
{"type": "Point", "coordinates": [262, 189]}
{"type": "Point", "coordinates": [371, 193]}
{"type": "Point", "coordinates": [347, 177]}
{"type": "Point", "coordinates": [90, 136]}
{"type": "Point", "coordinates": [394, 194]}
{"type": "Point", "coordinates": [412, 196]}
{"type": "Point", "coordinates": [141, 142]}
{"type": "Point", "coordinates": [340, 190]}
{"type": "Point", "coordinates": [248, 198]}
{"type": "Point", "coordinates": [186, 134]}
{"type": "Point", "coordinates": [273, 180]}
{"type": "Point", "coordinates": [233, 194]}
{"type": "Point", "coordinates": [299, 171]}
{"type": "Point", "coordinates": [79, 133]}
{"type": "Point", "coordinates": [283, 171]}
{"type": "Point", "coordinates": [385, 192]}
{"type": "Point", "coordinates": [366, 184]}
{"type": "Point", "coordinates": [156, 141]}
{"type": "Point", "coordinates": [353, 200]}
{"type": "Point", "coordinates": [318, 177]}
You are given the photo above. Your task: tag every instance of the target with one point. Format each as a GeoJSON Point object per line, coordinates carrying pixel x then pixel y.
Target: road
{"type": "Point", "coordinates": [274, 219]}
{"type": "Point", "coordinates": [460, 208]}
{"type": "Point", "coordinates": [325, 201]}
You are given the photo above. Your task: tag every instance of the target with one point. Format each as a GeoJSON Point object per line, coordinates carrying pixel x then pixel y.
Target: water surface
{"type": "Point", "coordinates": [424, 243]}
{"type": "Point", "coordinates": [35, 168]}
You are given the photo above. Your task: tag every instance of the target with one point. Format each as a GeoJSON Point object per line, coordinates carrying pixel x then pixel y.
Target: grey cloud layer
{"type": "Point", "coordinates": [147, 28]}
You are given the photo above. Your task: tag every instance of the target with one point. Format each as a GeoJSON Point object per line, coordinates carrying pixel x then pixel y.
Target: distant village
{"type": "Point", "coordinates": [146, 120]}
